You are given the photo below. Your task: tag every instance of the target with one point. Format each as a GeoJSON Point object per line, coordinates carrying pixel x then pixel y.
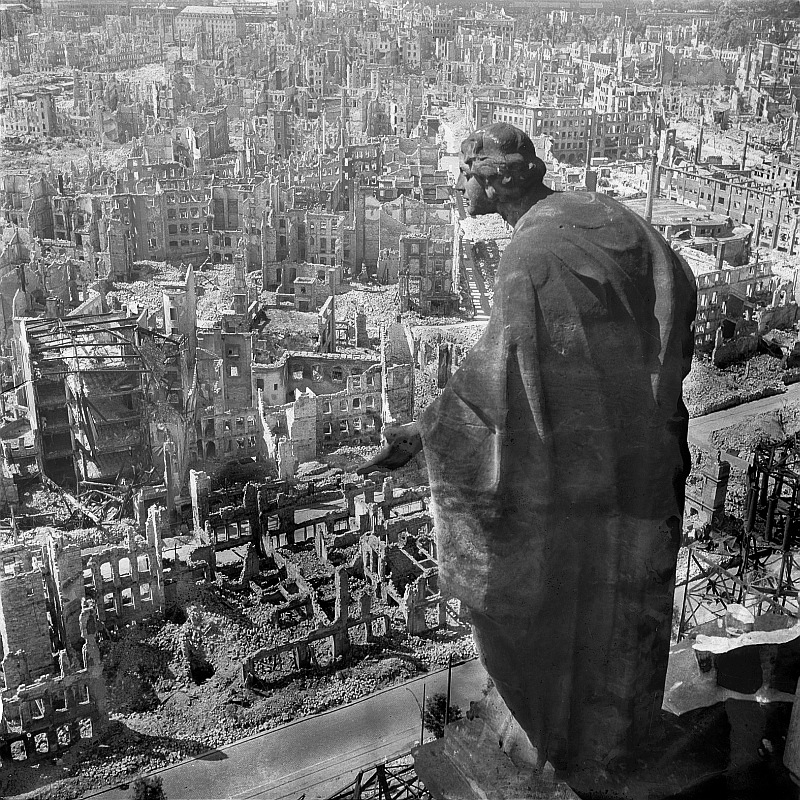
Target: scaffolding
{"type": "Point", "coordinates": [385, 782]}
{"type": "Point", "coordinates": [757, 566]}
{"type": "Point", "coordinates": [86, 375]}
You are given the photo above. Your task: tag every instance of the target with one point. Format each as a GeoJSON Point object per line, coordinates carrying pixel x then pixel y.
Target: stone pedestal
{"type": "Point", "coordinates": [486, 757]}
{"type": "Point", "coordinates": [791, 753]}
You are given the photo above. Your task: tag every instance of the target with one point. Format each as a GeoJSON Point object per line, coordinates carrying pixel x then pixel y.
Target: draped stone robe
{"type": "Point", "coordinates": [557, 458]}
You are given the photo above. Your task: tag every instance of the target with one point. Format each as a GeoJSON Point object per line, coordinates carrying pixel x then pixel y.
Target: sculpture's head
{"type": "Point", "coordinates": [498, 165]}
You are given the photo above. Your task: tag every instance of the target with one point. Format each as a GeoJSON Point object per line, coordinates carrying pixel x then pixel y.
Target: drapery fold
{"type": "Point", "coordinates": [557, 457]}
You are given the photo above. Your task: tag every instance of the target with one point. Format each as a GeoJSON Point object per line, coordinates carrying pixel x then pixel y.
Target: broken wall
{"type": "Point", "coordinates": [44, 716]}
{"type": "Point", "coordinates": [65, 575]}
{"type": "Point", "coordinates": [230, 519]}
{"type": "Point", "coordinates": [24, 622]}
{"type": "Point", "coordinates": [127, 580]}
{"type": "Point", "coordinates": [781, 317]}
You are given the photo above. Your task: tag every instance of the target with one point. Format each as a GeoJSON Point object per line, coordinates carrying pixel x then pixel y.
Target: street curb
{"type": "Point", "coordinates": [283, 726]}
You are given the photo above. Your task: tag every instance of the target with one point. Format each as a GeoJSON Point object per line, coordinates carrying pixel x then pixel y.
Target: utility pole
{"type": "Point", "coordinates": [652, 187]}
{"type": "Point", "coordinates": [449, 683]}
{"type": "Point", "coordinates": [422, 721]}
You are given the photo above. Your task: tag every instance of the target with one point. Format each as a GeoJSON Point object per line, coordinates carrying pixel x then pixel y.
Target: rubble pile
{"type": "Point", "coordinates": [157, 698]}
{"type": "Point", "coordinates": [217, 292]}
{"type": "Point", "coordinates": [156, 513]}
{"type": "Point", "coordinates": [67, 154]}
{"type": "Point", "coordinates": [379, 303]}
{"type": "Point", "coordinates": [146, 293]}
{"type": "Point", "coordinates": [288, 329]}
{"type": "Point", "coordinates": [413, 320]}
{"type": "Point", "coordinates": [490, 228]}
{"type": "Point", "coordinates": [426, 389]}
{"type": "Point", "coordinates": [455, 128]}
{"type": "Point", "coordinates": [465, 335]}
{"type": "Point", "coordinates": [708, 388]}
{"type": "Point", "coordinates": [772, 426]}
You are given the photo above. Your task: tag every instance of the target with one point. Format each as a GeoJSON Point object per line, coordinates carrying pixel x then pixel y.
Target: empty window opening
{"type": "Point", "coordinates": [63, 735]}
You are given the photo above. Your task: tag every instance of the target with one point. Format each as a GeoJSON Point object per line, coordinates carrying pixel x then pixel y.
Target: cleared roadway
{"type": "Point", "coordinates": [319, 755]}
{"type": "Point", "coordinates": [316, 756]}
{"type": "Point", "coordinates": [701, 428]}
{"type": "Point", "coordinates": [477, 288]}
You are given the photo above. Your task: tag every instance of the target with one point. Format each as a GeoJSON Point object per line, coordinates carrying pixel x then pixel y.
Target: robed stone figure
{"type": "Point", "coordinates": [557, 457]}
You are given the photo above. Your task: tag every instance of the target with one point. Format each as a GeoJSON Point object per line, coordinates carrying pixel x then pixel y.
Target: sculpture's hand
{"type": "Point", "coordinates": [400, 444]}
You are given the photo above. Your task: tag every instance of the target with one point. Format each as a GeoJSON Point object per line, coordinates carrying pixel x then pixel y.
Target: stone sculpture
{"type": "Point", "coordinates": [557, 457]}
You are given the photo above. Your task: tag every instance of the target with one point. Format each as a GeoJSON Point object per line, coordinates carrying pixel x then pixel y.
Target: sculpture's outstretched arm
{"type": "Point", "coordinates": [400, 444]}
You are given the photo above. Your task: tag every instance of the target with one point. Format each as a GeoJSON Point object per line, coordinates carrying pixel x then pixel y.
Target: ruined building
{"type": "Point", "coordinates": [82, 391]}
{"type": "Point", "coordinates": [53, 692]}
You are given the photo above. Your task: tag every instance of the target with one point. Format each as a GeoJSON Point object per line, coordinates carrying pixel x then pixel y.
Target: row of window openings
{"type": "Point", "coordinates": [124, 567]}
{"type": "Point", "coordinates": [184, 228]}
{"type": "Point", "coordinates": [174, 243]}
{"type": "Point", "coordinates": [323, 244]}
{"type": "Point", "coordinates": [208, 425]}
{"type": "Point", "coordinates": [183, 213]}
{"type": "Point", "coordinates": [126, 598]}
{"type": "Point", "coordinates": [242, 443]}
{"type": "Point", "coordinates": [42, 745]}
{"type": "Point", "coordinates": [327, 406]}
{"type": "Point", "coordinates": [232, 532]}
{"type": "Point", "coordinates": [337, 374]}
{"type": "Point", "coordinates": [13, 565]}
{"type": "Point", "coordinates": [704, 298]}
{"type": "Point", "coordinates": [344, 426]}
{"type": "Point", "coordinates": [36, 707]}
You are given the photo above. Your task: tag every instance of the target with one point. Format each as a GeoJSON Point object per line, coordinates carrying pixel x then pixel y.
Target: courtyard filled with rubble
{"type": "Point", "coordinates": [175, 681]}
{"type": "Point", "coordinates": [231, 253]}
